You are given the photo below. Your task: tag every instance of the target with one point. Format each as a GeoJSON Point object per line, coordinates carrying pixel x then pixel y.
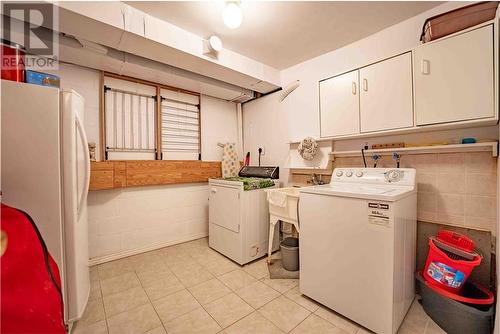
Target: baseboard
{"type": "Point", "coordinates": [111, 257]}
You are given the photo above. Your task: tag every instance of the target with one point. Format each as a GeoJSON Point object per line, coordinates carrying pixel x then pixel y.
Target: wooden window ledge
{"type": "Point", "coordinates": [133, 173]}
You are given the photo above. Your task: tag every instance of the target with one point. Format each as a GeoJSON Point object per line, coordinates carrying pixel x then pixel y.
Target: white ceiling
{"type": "Point", "coordinates": [284, 33]}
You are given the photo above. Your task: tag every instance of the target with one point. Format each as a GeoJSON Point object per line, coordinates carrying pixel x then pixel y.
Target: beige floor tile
{"type": "Point", "coordinates": [119, 283]}
{"type": "Point", "coordinates": [281, 285]}
{"type": "Point", "coordinates": [94, 274]}
{"type": "Point", "coordinates": [406, 330]}
{"type": "Point", "coordinates": [363, 330]}
{"type": "Point", "coordinates": [253, 324]}
{"type": "Point", "coordinates": [114, 268]}
{"type": "Point", "coordinates": [237, 279]}
{"type": "Point", "coordinates": [150, 277]}
{"type": "Point", "coordinates": [163, 287]}
{"type": "Point", "coordinates": [257, 269]}
{"type": "Point", "coordinates": [175, 305]}
{"type": "Point", "coordinates": [220, 266]}
{"type": "Point", "coordinates": [258, 294]}
{"type": "Point", "coordinates": [124, 301]}
{"type": "Point", "coordinates": [201, 241]}
{"type": "Point", "coordinates": [415, 320]}
{"type": "Point", "coordinates": [95, 289]}
{"type": "Point", "coordinates": [284, 313]}
{"type": "Point", "coordinates": [194, 276]}
{"type": "Point", "coordinates": [138, 320]}
{"type": "Point", "coordinates": [93, 313]}
{"type": "Point", "coordinates": [159, 330]}
{"type": "Point", "coordinates": [316, 325]}
{"type": "Point", "coordinates": [148, 262]}
{"type": "Point", "coordinates": [433, 328]}
{"type": "Point", "coordinates": [337, 320]}
{"type": "Point", "coordinates": [204, 255]}
{"type": "Point", "coordinates": [209, 291]}
{"type": "Point", "coordinates": [174, 258]}
{"type": "Point", "coordinates": [197, 321]}
{"type": "Point", "coordinates": [184, 265]}
{"type": "Point", "coordinates": [229, 309]}
{"type": "Point", "coordinates": [295, 295]}
{"type": "Point", "coordinates": [95, 328]}
{"type": "Point", "coordinates": [198, 252]}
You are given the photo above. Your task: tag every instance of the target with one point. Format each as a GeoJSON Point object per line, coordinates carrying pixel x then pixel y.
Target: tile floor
{"type": "Point", "coordinates": [189, 288]}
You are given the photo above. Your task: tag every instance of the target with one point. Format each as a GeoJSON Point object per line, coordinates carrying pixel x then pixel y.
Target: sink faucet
{"type": "Point", "coordinates": [317, 179]}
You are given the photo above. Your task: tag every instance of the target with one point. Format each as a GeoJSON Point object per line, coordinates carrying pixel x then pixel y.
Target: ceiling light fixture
{"type": "Point", "coordinates": [232, 15]}
{"type": "Point", "coordinates": [212, 46]}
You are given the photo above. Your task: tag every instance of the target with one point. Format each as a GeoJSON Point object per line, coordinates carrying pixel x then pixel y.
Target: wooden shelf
{"type": "Point", "coordinates": [133, 173]}
{"type": "Point", "coordinates": [454, 148]}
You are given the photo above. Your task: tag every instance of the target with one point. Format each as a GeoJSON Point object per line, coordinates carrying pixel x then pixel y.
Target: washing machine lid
{"type": "Point", "coordinates": [363, 191]}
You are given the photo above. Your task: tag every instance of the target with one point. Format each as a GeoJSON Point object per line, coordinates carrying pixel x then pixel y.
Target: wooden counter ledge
{"type": "Point", "coordinates": [132, 173]}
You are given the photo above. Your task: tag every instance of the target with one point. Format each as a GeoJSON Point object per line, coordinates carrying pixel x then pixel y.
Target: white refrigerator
{"type": "Point", "coordinates": [45, 171]}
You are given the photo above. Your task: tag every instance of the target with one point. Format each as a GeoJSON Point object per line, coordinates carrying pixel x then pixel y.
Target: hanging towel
{"type": "Point", "coordinates": [230, 164]}
{"type": "Point", "coordinates": [277, 198]}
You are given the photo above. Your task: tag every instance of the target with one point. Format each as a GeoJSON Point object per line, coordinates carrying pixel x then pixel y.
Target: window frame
{"type": "Point", "coordinates": [158, 113]}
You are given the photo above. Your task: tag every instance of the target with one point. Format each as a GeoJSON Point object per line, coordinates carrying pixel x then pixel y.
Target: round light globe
{"type": "Point", "coordinates": [232, 15]}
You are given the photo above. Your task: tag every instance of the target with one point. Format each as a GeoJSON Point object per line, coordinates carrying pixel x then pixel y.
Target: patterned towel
{"type": "Point", "coordinates": [230, 164]}
{"type": "Point", "coordinates": [251, 183]}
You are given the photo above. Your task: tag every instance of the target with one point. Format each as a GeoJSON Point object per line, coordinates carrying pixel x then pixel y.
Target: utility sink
{"type": "Point", "coordinates": [283, 203]}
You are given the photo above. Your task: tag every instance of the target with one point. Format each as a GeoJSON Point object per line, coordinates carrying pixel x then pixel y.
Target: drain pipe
{"type": "Point", "coordinates": [239, 125]}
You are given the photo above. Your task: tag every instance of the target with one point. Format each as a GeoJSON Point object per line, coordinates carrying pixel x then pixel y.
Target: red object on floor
{"type": "Point", "coordinates": [446, 269]}
{"type": "Point", "coordinates": [31, 299]}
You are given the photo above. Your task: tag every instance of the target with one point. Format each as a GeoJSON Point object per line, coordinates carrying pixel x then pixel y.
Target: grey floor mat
{"type": "Point", "coordinates": [276, 270]}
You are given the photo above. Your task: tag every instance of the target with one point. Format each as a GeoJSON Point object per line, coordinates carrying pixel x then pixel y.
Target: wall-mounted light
{"type": "Point", "coordinates": [232, 15]}
{"type": "Point", "coordinates": [212, 46]}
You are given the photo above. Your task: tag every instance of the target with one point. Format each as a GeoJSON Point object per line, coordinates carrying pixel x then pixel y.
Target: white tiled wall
{"type": "Point", "coordinates": [453, 188]}
{"type": "Point", "coordinates": [127, 220]}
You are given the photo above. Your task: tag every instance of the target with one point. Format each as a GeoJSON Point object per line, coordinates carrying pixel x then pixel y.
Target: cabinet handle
{"type": "Point", "coordinates": [365, 85]}
{"type": "Point", "coordinates": [425, 67]}
{"type": "Point", "coordinates": [353, 88]}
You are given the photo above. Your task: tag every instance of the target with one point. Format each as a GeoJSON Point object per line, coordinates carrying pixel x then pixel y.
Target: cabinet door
{"type": "Point", "coordinates": [386, 96]}
{"type": "Point", "coordinates": [339, 105]}
{"type": "Point", "coordinates": [454, 78]}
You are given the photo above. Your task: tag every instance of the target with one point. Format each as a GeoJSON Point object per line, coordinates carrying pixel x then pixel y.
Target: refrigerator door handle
{"type": "Point", "coordinates": [83, 137]}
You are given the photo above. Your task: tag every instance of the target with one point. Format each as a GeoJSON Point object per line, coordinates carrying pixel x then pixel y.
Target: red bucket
{"type": "Point", "coordinates": [449, 265]}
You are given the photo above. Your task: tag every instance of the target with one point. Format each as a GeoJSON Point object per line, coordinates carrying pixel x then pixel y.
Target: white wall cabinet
{"type": "Point", "coordinates": [339, 105]}
{"type": "Point", "coordinates": [386, 95]}
{"type": "Point", "coordinates": [454, 78]}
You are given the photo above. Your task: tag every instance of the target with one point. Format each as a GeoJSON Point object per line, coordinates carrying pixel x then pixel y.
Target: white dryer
{"type": "Point", "coordinates": [239, 214]}
{"type": "Point", "coordinates": [357, 244]}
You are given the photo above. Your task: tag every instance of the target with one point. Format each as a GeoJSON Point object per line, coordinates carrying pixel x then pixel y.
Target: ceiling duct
{"type": "Point", "coordinates": [96, 56]}
{"type": "Point", "coordinates": [80, 51]}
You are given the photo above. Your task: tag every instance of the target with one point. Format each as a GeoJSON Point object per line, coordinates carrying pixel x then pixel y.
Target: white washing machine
{"type": "Point", "coordinates": [238, 218]}
{"type": "Point", "coordinates": [358, 244]}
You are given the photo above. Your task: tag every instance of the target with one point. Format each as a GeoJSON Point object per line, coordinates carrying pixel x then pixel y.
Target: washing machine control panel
{"type": "Point", "coordinates": [399, 176]}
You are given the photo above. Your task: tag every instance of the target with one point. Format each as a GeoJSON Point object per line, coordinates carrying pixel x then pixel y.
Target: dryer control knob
{"type": "Point", "coordinates": [359, 173]}
{"type": "Point", "coordinates": [348, 173]}
{"type": "Point", "coordinates": [339, 173]}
